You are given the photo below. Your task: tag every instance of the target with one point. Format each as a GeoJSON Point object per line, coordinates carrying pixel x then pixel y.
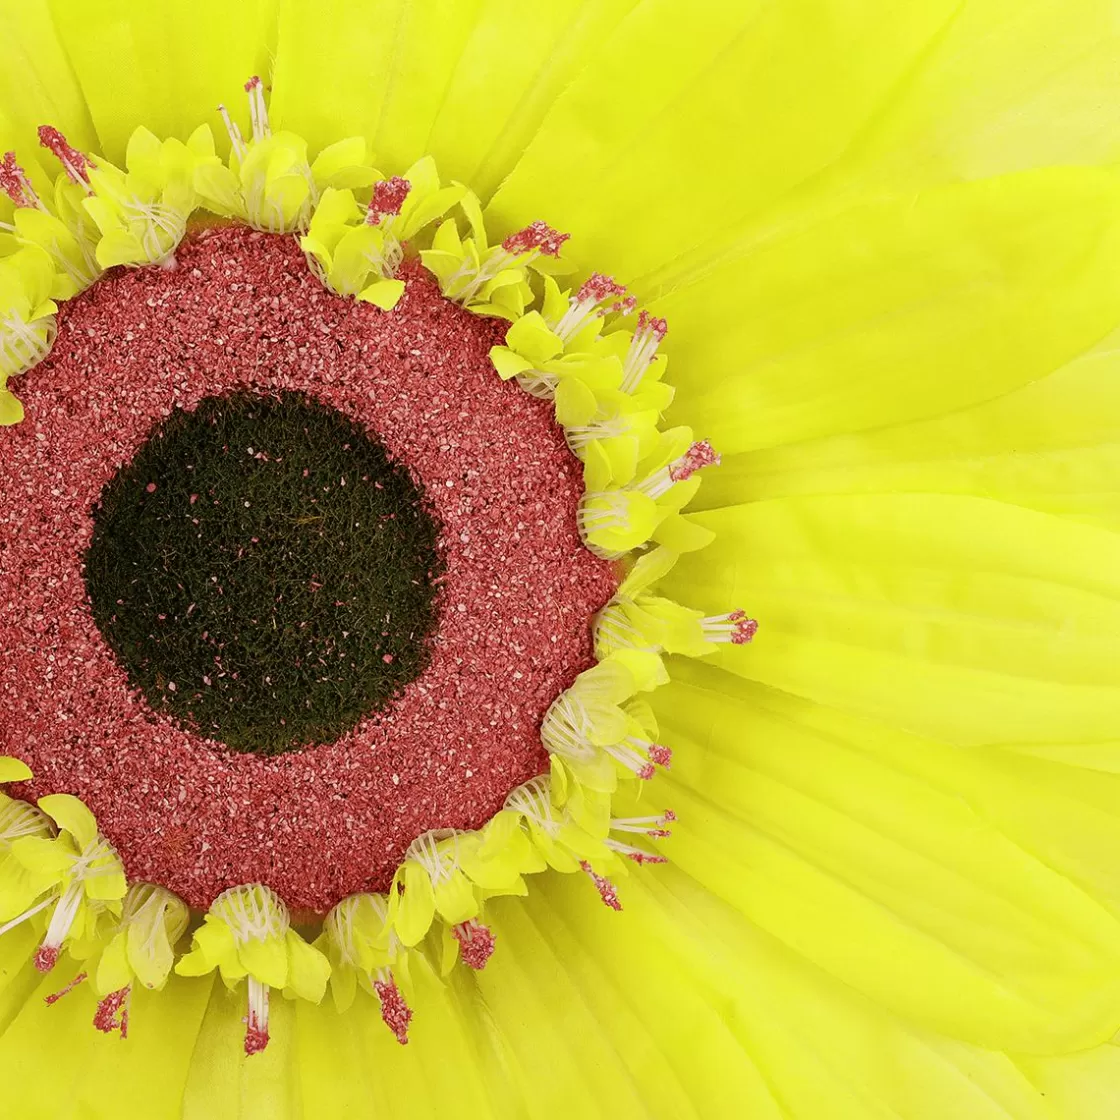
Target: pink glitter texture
{"type": "Point", "coordinates": [106, 1020]}
{"type": "Point", "coordinates": [537, 235]}
{"type": "Point", "coordinates": [46, 957]}
{"type": "Point", "coordinates": [54, 997]}
{"type": "Point", "coordinates": [604, 886]}
{"type": "Point", "coordinates": [77, 164]}
{"type": "Point", "coordinates": [745, 628]}
{"type": "Point", "coordinates": [647, 322]}
{"type": "Point", "coordinates": [256, 1036]}
{"type": "Point", "coordinates": [697, 457]}
{"type": "Point", "coordinates": [388, 198]}
{"type": "Point", "coordinates": [14, 182]}
{"type": "Point", "coordinates": [598, 287]}
{"type": "Point", "coordinates": [476, 943]}
{"type": "Point", "coordinates": [243, 310]}
{"type": "Point", "coordinates": [395, 1013]}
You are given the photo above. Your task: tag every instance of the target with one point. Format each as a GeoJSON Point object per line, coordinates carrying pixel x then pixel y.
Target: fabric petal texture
{"type": "Point", "coordinates": [886, 241]}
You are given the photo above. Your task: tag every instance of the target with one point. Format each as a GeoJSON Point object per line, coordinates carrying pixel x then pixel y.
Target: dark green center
{"type": "Point", "coordinates": [264, 571]}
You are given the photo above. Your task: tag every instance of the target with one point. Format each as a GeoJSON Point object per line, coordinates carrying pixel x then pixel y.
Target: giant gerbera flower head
{"type": "Point", "coordinates": [559, 559]}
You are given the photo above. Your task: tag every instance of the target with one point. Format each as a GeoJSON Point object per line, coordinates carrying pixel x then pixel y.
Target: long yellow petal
{"type": "Point", "coordinates": [964, 619]}
{"type": "Point", "coordinates": [165, 66]}
{"type": "Point", "coordinates": [948, 885]}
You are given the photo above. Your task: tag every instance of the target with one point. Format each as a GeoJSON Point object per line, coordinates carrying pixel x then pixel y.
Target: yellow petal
{"type": "Point", "coordinates": [308, 968]}
{"type": "Point", "coordinates": [1049, 445]}
{"type": "Point", "coordinates": [690, 77]}
{"type": "Point", "coordinates": [385, 294]}
{"type": "Point", "coordinates": [166, 66]}
{"type": "Point", "coordinates": [968, 620]}
{"type": "Point", "coordinates": [71, 815]}
{"type": "Point", "coordinates": [788, 810]}
{"type": "Point", "coordinates": [14, 770]}
{"type": "Point", "coordinates": [899, 310]}
{"type": "Point", "coordinates": [412, 911]}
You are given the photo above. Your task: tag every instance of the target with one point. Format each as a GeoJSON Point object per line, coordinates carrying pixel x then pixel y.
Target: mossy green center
{"type": "Point", "coordinates": [264, 572]}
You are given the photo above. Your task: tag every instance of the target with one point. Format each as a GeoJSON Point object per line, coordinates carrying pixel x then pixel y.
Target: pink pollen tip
{"type": "Point", "coordinates": [660, 755]}
{"type": "Point", "coordinates": [76, 163]}
{"type": "Point", "coordinates": [646, 322]}
{"type": "Point", "coordinates": [46, 957]}
{"type": "Point", "coordinates": [598, 287]}
{"type": "Point", "coordinates": [625, 306]}
{"type": "Point", "coordinates": [536, 235]}
{"type": "Point", "coordinates": [698, 456]}
{"type": "Point", "coordinates": [256, 1039]}
{"type": "Point", "coordinates": [647, 772]}
{"type": "Point", "coordinates": [13, 181]}
{"type": "Point", "coordinates": [604, 886]}
{"type": "Point", "coordinates": [476, 943]}
{"type": "Point", "coordinates": [56, 996]}
{"type": "Point", "coordinates": [642, 858]}
{"type": "Point", "coordinates": [105, 1018]}
{"type": "Point", "coordinates": [252, 83]}
{"type": "Point", "coordinates": [669, 815]}
{"type": "Point", "coordinates": [745, 630]}
{"type": "Point", "coordinates": [388, 198]}
{"type": "Point", "coordinates": [395, 1013]}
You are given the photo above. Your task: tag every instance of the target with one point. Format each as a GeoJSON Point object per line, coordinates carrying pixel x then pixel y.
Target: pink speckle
{"type": "Point", "coordinates": [599, 287]}
{"type": "Point", "coordinates": [46, 957]}
{"type": "Point", "coordinates": [14, 183]}
{"type": "Point", "coordinates": [151, 487]}
{"type": "Point", "coordinates": [54, 997]}
{"type": "Point", "coordinates": [536, 236]}
{"type": "Point", "coordinates": [395, 1013]}
{"type": "Point", "coordinates": [388, 198]}
{"type": "Point", "coordinates": [75, 163]}
{"type": "Point", "coordinates": [256, 1039]}
{"type": "Point", "coordinates": [604, 886]}
{"type": "Point", "coordinates": [476, 943]}
{"type": "Point", "coordinates": [745, 630]}
{"type": "Point", "coordinates": [647, 322]}
{"type": "Point", "coordinates": [642, 858]}
{"type": "Point", "coordinates": [105, 1019]}
{"type": "Point", "coordinates": [698, 456]}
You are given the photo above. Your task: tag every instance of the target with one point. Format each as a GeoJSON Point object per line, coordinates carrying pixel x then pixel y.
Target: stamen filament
{"type": "Point", "coordinates": [643, 349]}
{"type": "Point", "coordinates": [256, 1022]}
{"type": "Point", "coordinates": [734, 627]}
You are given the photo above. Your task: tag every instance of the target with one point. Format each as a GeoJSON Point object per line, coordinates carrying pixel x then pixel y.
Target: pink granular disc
{"type": "Point", "coordinates": [243, 311]}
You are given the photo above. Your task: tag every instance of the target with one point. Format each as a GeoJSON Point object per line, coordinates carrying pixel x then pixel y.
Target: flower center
{"type": "Point", "coordinates": [264, 572]}
{"type": "Point", "coordinates": [242, 314]}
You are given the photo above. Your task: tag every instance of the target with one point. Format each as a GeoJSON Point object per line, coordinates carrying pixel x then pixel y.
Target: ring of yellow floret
{"type": "Point", "coordinates": [569, 346]}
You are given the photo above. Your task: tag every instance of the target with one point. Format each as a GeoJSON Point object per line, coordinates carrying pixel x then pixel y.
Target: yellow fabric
{"type": "Point", "coordinates": [1052, 445]}
{"type": "Point", "coordinates": [973, 290]}
{"type": "Point", "coordinates": [466, 81]}
{"type": "Point", "coordinates": [55, 1066]}
{"type": "Point", "coordinates": [749, 1028]}
{"type": "Point", "coordinates": [633, 158]}
{"type": "Point", "coordinates": [788, 809]}
{"type": "Point", "coordinates": [966, 619]}
{"type": "Point", "coordinates": [888, 254]}
{"type": "Point", "coordinates": [163, 65]}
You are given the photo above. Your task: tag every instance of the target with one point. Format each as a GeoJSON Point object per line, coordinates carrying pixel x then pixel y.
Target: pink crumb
{"type": "Point", "coordinates": [395, 1013]}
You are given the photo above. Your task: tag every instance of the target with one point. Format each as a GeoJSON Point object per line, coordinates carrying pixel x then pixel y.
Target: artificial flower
{"type": "Point", "coordinates": [885, 240]}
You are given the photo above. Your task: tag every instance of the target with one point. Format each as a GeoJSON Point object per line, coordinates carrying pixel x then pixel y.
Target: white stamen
{"type": "Point", "coordinates": [234, 130]}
